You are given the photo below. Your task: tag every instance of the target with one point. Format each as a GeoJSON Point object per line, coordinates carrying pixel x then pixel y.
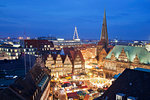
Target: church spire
{"type": "Point", "coordinates": [104, 35]}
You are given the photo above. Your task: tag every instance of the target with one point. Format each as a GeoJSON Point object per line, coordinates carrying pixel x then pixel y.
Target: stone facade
{"type": "Point", "coordinates": [78, 65]}
{"type": "Point", "coordinates": [67, 65]}
{"type": "Point", "coordinates": [63, 65]}
{"type": "Point", "coordinates": [114, 65]}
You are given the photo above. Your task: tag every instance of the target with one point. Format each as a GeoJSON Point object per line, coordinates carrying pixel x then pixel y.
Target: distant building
{"type": "Point", "coordinates": [40, 45]}
{"type": "Point", "coordinates": [9, 52]}
{"type": "Point", "coordinates": [137, 44]}
{"type": "Point", "coordinates": [66, 43]}
{"type": "Point", "coordinates": [132, 84]}
{"type": "Point", "coordinates": [47, 38]}
{"type": "Point", "coordinates": [147, 47]}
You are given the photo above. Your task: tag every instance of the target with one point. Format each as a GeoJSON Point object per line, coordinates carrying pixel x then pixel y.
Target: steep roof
{"type": "Point", "coordinates": [75, 53]}
{"type": "Point", "coordinates": [134, 83]}
{"type": "Point", "coordinates": [131, 52]}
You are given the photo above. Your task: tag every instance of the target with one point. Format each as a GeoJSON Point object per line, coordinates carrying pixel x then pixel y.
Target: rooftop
{"type": "Point", "coordinates": [131, 52]}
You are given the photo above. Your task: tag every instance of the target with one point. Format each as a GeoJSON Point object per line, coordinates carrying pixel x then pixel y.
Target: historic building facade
{"type": "Point", "coordinates": [122, 57]}
{"type": "Point", "coordinates": [64, 65]}
{"type": "Point", "coordinates": [78, 64]}
{"type": "Point", "coordinates": [67, 65]}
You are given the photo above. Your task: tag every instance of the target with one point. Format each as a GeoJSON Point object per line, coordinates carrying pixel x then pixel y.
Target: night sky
{"type": "Point", "coordinates": [126, 19]}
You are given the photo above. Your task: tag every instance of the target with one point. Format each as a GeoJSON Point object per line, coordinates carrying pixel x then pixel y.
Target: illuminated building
{"type": "Point", "coordinates": [121, 57]}
{"type": "Point", "coordinates": [67, 65]}
{"type": "Point", "coordinates": [40, 45]}
{"type": "Point", "coordinates": [78, 63]}
{"type": "Point", "coordinates": [60, 65]}
{"type": "Point", "coordinates": [60, 42]}
{"type": "Point", "coordinates": [9, 53]}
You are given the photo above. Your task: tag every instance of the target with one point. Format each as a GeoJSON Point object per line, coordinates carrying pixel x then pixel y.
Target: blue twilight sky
{"type": "Point", "coordinates": [126, 19]}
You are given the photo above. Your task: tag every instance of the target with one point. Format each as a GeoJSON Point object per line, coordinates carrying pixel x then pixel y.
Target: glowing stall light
{"type": "Point", "coordinates": [74, 77]}
{"type": "Point", "coordinates": [55, 88]}
{"type": "Point", "coordinates": [87, 66]}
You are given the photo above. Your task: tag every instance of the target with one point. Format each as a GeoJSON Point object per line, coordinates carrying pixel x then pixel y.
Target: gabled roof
{"type": "Point", "coordinates": [75, 53]}
{"type": "Point", "coordinates": [67, 50]}
{"type": "Point", "coordinates": [67, 57]}
{"type": "Point", "coordinates": [134, 83]}
{"type": "Point", "coordinates": [131, 52]}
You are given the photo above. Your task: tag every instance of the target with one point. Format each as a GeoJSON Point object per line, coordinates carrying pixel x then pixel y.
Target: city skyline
{"type": "Point", "coordinates": [128, 20]}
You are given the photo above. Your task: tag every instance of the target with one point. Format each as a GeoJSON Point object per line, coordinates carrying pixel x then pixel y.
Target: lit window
{"type": "Point", "coordinates": [15, 50]}
{"type": "Point", "coordinates": [30, 46]}
{"type": "Point", "coordinates": [45, 46]}
{"type": "Point", "coordinates": [131, 98]}
{"type": "Point", "coordinates": [16, 54]}
{"type": "Point", "coordinates": [119, 96]}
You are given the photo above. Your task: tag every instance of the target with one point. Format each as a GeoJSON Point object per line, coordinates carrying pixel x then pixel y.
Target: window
{"type": "Point", "coordinates": [120, 96]}
{"type": "Point", "coordinates": [15, 50]}
{"type": "Point", "coordinates": [131, 98]}
{"type": "Point", "coordinates": [16, 54]}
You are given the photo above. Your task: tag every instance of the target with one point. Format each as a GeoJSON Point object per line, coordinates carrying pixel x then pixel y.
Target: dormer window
{"type": "Point", "coordinates": [131, 98]}
{"type": "Point", "coordinates": [120, 96]}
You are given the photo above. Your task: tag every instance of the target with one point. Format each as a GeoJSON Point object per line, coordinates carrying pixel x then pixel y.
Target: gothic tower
{"type": "Point", "coordinates": [104, 36]}
{"type": "Point", "coordinates": [103, 43]}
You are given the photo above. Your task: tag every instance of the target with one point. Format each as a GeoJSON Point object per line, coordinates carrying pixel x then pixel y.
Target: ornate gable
{"type": "Point", "coordinates": [49, 60]}
{"type": "Point", "coordinates": [113, 56]}
{"type": "Point", "coordinates": [58, 59]}
{"type": "Point", "coordinates": [123, 56]}
{"type": "Point", "coordinates": [136, 60]}
{"type": "Point", "coordinates": [67, 61]}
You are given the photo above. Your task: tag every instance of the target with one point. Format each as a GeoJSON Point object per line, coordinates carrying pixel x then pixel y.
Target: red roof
{"type": "Point", "coordinates": [82, 87]}
{"type": "Point", "coordinates": [66, 82]}
{"type": "Point", "coordinates": [72, 95]}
